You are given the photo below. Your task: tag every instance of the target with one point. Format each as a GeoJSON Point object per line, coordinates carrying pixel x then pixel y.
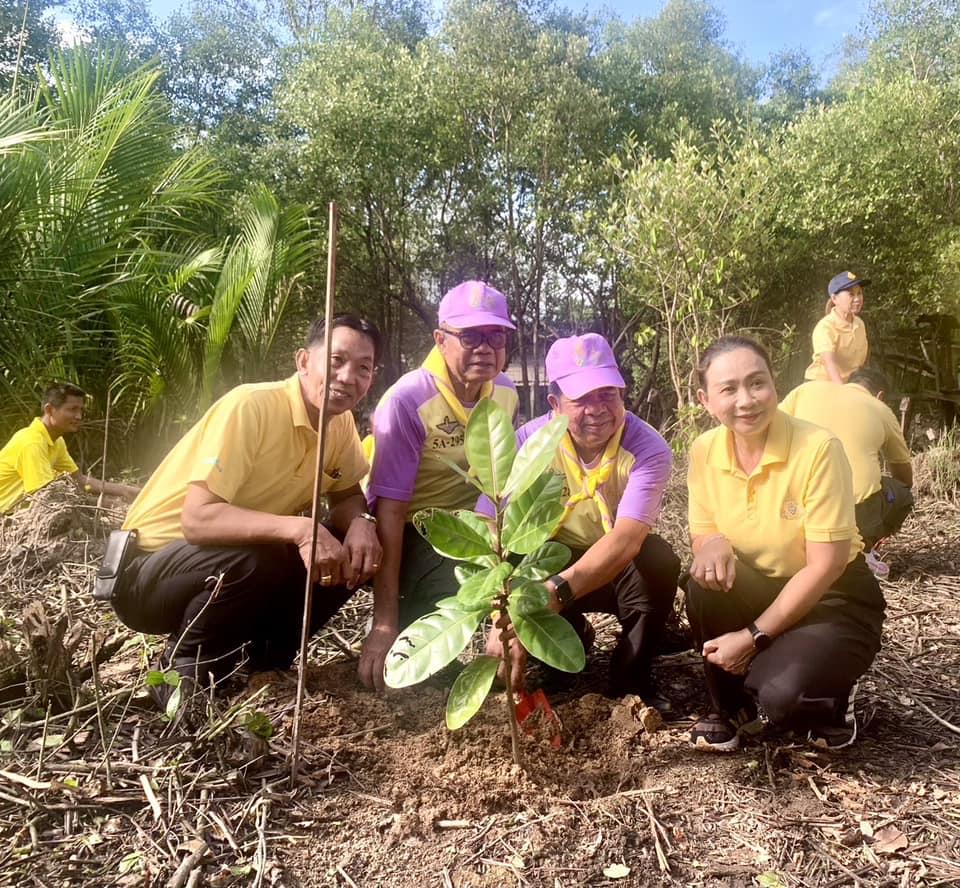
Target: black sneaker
{"type": "Point", "coordinates": [841, 735]}
{"type": "Point", "coordinates": [715, 733]}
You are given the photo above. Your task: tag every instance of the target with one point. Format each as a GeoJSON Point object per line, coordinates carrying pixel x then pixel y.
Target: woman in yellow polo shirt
{"type": "Point", "coordinates": [840, 337]}
{"type": "Point", "coordinates": [781, 601]}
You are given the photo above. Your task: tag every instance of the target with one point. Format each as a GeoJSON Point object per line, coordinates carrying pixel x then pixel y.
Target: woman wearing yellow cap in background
{"type": "Point", "coordinates": [840, 337]}
{"type": "Point", "coordinates": [780, 599]}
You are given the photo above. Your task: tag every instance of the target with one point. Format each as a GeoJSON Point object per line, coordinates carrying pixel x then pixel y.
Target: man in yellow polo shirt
{"type": "Point", "coordinates": [224, 546]}
{"type": "Point", "coordinates": [38, 454]}
{"type": "Point", "coordinates": [857, 414]}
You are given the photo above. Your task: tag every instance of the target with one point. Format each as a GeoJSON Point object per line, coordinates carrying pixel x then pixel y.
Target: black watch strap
{"type": "Point", "coordinates": [561, 588]}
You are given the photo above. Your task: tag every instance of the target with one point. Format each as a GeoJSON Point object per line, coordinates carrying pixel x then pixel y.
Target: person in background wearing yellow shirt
{"type": "Point", "coordinates": [786, 612]}
{"type": "Point", "coordinates": [38, 454]}
{"type": "Point", "coordinates": [857, 415]}
{"type": "Point", "coordinates": [840, 338]}
{"type": "Point", "coordinates": [418, 426]}
{"type": "Point", "coordinates": [224, 546]}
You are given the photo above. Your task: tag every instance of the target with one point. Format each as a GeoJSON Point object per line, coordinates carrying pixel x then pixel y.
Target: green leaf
{"type": "Point", "coordinates": [532, 517]}
{"type": "Point", "coordinates": [258, 723]}
{"type": "Point", "coordinates": [470, 690]}
{"type": "Point", "coordinates": [536, 454]}
{"type": "Point", "coordinates": [481, 589]}
{"type": "Point", "coordinates": [155, 678]}
{"type": "Point", "coordinates": [616, 871]}
{"type": "Point", "coordinates": [528, 597]}
{"type": "Point", "coordinates": [428, 644]}
{"type": "Point", "coordinates": [550, 558]}
{"type": "Point", "coordinates": [450, 464]}
{"type": "Point", "coordinates": [463, 572]}
{"type": "Point", "coordinates": [173, 703]}
{"type": "Point", "coordinates": [490, 445]}
{"type": "Point", "coordinates": [456, 536]}
{"type": "Point", "coordinates": [770, 879]}
{"type": "Point", "coordinates": [550, 638]}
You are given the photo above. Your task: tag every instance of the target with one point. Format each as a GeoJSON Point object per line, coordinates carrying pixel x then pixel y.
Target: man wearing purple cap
{"type": "Point", "coordinates": [418, 427]}
{"type": "Point", "coordinates": [615, 468]}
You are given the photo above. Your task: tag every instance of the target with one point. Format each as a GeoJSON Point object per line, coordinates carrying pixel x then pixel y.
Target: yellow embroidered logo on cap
{"type": "Point", "coordinates": [481, 297]}
{"type": "Point", "coordinates": [584, 356]}
{"type": "Point", "coordinates": [851, 276]}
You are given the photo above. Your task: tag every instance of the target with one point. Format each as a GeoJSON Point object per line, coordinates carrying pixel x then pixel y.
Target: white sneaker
{"type": "Point", "coordinates": [880, 569]}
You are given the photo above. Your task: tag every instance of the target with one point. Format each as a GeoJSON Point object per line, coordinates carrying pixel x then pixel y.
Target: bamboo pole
{"type": "Point", "coordinates": [317, 484]}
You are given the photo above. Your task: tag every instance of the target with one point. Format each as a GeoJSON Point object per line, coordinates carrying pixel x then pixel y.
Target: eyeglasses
{"type": "Point", "coordinates": [496, 339]}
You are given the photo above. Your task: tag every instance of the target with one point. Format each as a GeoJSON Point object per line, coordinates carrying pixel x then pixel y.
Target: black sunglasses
{"type": "Point", "coordinates": [496, 339]}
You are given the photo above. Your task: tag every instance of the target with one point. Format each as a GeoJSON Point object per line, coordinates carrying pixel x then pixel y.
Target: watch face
{"type": "Point", "coordinates": [761, 641]}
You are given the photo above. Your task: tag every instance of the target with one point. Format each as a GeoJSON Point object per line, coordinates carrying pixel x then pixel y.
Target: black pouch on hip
{"type": "Point", "coordinates": [121, 547]}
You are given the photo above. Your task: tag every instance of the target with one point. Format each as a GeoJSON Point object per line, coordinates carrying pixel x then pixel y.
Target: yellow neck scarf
{"type": "Point", "coordinates": [586, 484]}
{"type": "Point", "coordinates": [436, 366]}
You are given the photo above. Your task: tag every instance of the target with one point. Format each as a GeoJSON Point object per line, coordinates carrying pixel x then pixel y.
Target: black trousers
{"type": "Point", "coordinates": [641, 599]}
{"type": "Point", "coordinates": [881, 514]}
{"type": "Point", "coordinates": [804, 678]}
{"type": "Point", "coordinates": [256, 612]}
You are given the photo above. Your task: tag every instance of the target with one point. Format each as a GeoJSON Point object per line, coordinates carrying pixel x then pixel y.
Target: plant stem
{"type": "Point", "coordinates": [511, 705]}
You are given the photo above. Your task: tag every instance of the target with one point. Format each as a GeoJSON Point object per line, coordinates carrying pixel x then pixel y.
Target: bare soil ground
{"type": "Point", "coordinates": [96, 788]}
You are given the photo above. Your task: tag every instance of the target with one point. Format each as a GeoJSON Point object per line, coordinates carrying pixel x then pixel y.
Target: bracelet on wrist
{"type": "Point", "coordinates": [366, 516]}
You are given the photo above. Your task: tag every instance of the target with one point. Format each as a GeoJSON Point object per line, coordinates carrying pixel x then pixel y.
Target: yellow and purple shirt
{"type": "Point", "coordinates": [633, 490]}
{"type": "Point", "coordinates": [414, 431]}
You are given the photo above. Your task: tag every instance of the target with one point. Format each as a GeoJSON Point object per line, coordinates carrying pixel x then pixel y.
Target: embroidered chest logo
{"type": "Point", "coordinates": [790, 510]}
{"type": "Point", "coordinates": [449, 426]}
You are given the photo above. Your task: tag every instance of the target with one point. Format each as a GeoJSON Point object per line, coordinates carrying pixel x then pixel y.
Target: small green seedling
{"type": "Point", "coordinates": [504, 563]}
{"type": "Point", "coordinates": [156, 677]}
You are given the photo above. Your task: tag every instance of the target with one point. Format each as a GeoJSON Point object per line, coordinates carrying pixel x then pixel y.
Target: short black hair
{"type": "Point", "coordinates": [354, 322]}
{"type": "Point", "coordinates": [728, 344]}
{"type": "Point", "coordinates": [874, 381]}
{"type": "Point", "coordinates": [554, 389]}
{"type": "Point", "coordinates": [56, 394]}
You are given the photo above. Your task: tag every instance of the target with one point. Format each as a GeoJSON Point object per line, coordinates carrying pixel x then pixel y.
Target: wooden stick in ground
{"type": "Point", "coordinates": [106, 438]}
{"type": "Point", "coordinates": [318, 479]}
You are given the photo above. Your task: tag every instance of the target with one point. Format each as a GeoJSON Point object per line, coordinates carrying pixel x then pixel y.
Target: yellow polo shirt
{"type": "Point", "coordinates": [254, 448]}
{"type": "Point", "coordinates": [865, 426]}
{"type": "Point", "coordinates": [848, 342]}
{"type": "Point", "coordinates": [801, 490]}
{"type": "Point", "coordinates": [31, 459]}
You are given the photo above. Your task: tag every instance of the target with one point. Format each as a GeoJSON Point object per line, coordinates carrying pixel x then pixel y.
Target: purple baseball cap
{"type": "Point", "coordinates": [474, 304]}
{"type": "Point", "coordinates": [580, 364]}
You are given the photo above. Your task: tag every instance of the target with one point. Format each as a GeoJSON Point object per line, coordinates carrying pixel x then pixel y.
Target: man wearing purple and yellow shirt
{"type": "Point", "coordinates": [418, 426]}
{"type": "Point", "coordinates": [615, 468]}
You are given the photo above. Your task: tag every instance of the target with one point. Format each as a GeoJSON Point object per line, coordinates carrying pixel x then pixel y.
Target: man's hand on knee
{"type": "Point", "coordinates": [362, 553]}
{"type": "Point", "coordinates": [328, 556]}
{"type": "Point", "coordinates": [376, 646]}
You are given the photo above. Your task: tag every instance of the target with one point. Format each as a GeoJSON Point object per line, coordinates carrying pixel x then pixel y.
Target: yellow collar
{"type": "Point", "coordinates": [298, 409]}
{"type": "Point", "coordinates": [436, 366]}
{"type": "Point", "coordinates": [776, 449]}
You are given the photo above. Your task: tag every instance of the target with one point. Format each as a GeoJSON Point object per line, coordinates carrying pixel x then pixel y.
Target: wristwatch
{"type": "Point", "coordinates": [561, 588]}
{"type": "Point", "coordinates": [761, 641]}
